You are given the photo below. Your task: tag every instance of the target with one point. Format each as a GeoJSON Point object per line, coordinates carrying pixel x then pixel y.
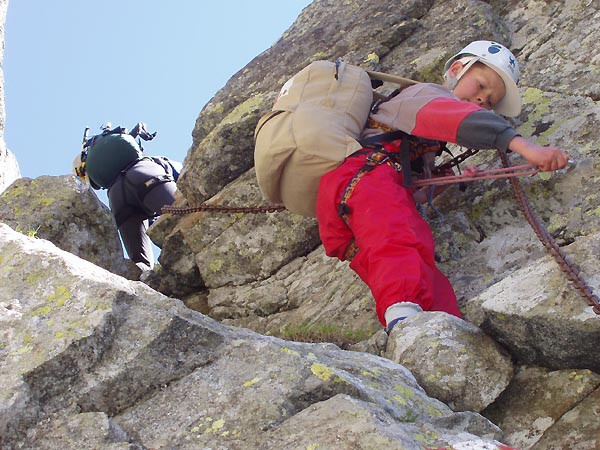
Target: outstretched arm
{"type": "Point", "coordinates": [546, 159]}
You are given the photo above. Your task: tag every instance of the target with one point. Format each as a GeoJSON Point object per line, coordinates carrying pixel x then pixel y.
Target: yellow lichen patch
{"type": "Point", "coordinates": [218, 424]}
{"type": "Point", "coordinates": [400, 400]}
{"type": "Point", "coordinates": [434, 412]}
{"type": "Point", "coordinates": [433, 377]}
{"type": "Point", "coordinates": [215, 265]}
{"type": "Point", "coordinates": [60, 295]}
{"type": "Point", "coordinates": [595, 212]}
{"type": "Point", "coordinates": [372, 58]}
{"type": "Point", "coordinates": [532, 95]}
{"type": "Point", "coordinates": [312, 446]}
{"type": "Point", "coordinates": [289, 351]}
{"type": "Point", "coordinates": [409, 394]}
{"type": "Point", "coordinates": [311, 356]}
{"type": "Point", "coordinates": [325, 373]}
{"type": "Point", "coordinates": [243, 109]}
{"type": "Point", "coordinates": [322, 372]}
{"type": "Point", "coordinates": [45, 201]}
{"type": "Point", "coordinates": [590, 147]}
{"type": "Point", "coordinates": [252, 381]}
{"type": "Point", "coordinates": [27, 339]}
{"type": "Point", "coordinates": [41, 311]}
{"type": "Point", "coordinates": [32, 278]}
{"type": "Point", "coordinates": [22, 350]}
{"type": "Point", "coordinates": [430, 438]}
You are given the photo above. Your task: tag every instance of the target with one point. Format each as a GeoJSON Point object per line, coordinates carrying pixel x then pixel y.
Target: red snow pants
{"type": "Point", "coordinates": [395, 255]}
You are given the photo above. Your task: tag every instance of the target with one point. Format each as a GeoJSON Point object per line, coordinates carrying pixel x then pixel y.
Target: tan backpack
{"type": "Point", "coordinates": [316, 120]}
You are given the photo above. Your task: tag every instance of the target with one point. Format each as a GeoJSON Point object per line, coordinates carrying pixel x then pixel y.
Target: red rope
{"type": "Point", "coordinates": [507, 172]}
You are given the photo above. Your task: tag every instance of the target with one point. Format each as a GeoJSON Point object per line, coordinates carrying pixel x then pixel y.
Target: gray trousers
{"type": "Point", "coordinates": [133, 206]}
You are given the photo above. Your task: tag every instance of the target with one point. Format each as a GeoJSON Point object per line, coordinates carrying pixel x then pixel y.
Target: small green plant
{"type": "Point", "coordinates": [323, 333]}
{"type": "Point", "coordinates": [30, 232]}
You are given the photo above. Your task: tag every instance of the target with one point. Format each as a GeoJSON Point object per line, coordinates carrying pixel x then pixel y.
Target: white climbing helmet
{"type": "Point", "coordinates": [504, 63]}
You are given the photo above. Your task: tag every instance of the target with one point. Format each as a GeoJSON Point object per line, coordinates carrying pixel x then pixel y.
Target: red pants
{"type": "Point", "coordinates": [395, 246]}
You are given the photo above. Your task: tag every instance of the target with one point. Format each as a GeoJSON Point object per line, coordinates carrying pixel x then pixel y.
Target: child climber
{"type": "Point", "coordinates": [378, 227]}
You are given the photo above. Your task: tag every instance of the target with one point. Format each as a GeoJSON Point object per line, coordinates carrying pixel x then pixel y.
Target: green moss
{"type": "Point", "coordinates": [477, 212]}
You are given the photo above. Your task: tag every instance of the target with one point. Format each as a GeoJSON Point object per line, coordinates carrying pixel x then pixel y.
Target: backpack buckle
{"type": "Point", "coordinates": [376, 158]}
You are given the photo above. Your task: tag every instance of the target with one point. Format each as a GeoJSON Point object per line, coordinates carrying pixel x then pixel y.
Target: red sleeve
{"type": "Point", "coordinates": [441, 117]}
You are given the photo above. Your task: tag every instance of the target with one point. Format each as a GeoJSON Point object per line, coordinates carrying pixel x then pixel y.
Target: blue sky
{"type": "Point", "coordinates": [69, 64]}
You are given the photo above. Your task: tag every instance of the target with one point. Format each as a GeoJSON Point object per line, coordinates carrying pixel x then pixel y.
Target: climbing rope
{"type": "Point", "coordinates": [507, 172]}
{"type": "Point", "coordinates": [181, 210]}
{"type": "Point", "coordinates": [570, 271]}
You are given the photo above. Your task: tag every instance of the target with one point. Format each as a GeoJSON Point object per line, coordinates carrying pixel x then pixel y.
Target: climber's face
{"type": "Point", "coordinates": [480, 85]}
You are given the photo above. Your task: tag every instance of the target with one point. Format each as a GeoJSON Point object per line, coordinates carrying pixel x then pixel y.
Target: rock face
{"type": "Point", "coordinates": [89, 359]}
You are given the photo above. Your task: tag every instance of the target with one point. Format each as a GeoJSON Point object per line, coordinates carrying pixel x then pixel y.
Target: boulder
{"type": "Point", "coordinates": [540, 317]}
{"type": "Point", "coordinates": [452, 359]}
{"type": "Point", "coordinates": [67, 212]}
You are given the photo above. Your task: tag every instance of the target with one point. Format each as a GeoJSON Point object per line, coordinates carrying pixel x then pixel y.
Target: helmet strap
{"type": "Point", "coordinates": [467, 62]}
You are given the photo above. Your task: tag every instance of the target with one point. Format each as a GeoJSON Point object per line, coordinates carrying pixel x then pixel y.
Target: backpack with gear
{"type": "Point", "coordinates": [314, 125]}
{"type": "Point", "coordinates": [105, 155]}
